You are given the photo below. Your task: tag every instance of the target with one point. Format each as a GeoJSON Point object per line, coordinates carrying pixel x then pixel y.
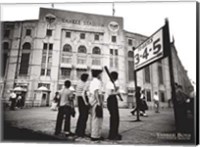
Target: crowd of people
{"type": "Point", "coordinates": [90, 102]}
{"type": "Point", "coordinates": [16, 101]}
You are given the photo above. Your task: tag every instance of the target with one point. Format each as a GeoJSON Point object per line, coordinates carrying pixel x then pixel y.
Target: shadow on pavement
{"type": "Point", "coordinates": [14, 134]}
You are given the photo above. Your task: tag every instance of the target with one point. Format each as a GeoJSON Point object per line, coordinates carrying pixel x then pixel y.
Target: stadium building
{"type": "Point", "coordinates": [39, 55]}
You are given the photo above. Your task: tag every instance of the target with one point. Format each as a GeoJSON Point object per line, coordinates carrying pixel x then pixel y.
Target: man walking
{"type": "Point", "coordinates": [156, 102]}
{"type": "Point", "coordinates": [13, 98]}
{"type": "Point", "coordinates": [112, 105]}
{"type": "Point", "coordinates": [66, 109]}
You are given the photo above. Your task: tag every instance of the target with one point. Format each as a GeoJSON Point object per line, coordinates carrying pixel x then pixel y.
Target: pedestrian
{"type": "Point", "coordinates": [169, 101]}
{"type": "Point", "coordinates": [156, 102]}
{"type": "Point", "coordinates": [19, 101]}
{"type": "Point", "coordinates": [181, 108]}
{"type": "Point", "coordinates": [56, 101]}
{"type": "Point", "coordinates": [139, 98]}
{"type": "Point", "coordinates": [96, 102]}
{"type": "Point", "coordinates": [13, 98]}
{"type": "Point", "coordinates": [112, 105]}
{"type": "Point", "coordinates": [66, 109]}
{"type": "Point", "coordinates": [143, 104]}
{"type": "Point", "coordinates": [83, 105]}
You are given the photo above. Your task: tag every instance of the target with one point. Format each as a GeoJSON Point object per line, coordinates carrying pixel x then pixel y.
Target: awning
{"type": "Point", "coordinates": [42, 88]}
{"type": "Point", "coordinates": [19, 89]}
{"type": "Point", "coordinates": [81, 66]}
{"type": "Point", "coordinates": [65, 65]}
{"type": "Point", "coordinates": [96, 67]}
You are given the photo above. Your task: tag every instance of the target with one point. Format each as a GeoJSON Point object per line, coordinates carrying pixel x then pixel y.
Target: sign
{"type": "Point", "coordinates": [152, 49]}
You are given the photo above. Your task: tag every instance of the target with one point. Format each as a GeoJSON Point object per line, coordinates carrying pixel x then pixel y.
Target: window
{"type": "Point", "coordinates": [24, 64]}
{"type": "Point", "coordinates": [81, 61]}
{"type": "Point", "coordinates": [162, 96]}
{"type": "Point", "coordinates": [130, 70]}
{"type": "Point", "coordinates": [82, 49]}
{"type": "Point", "coordinates": [130, 54]}
{"type": "Point", "coordinates": [130, 42]}
{"type": "Point", "coordinates": [66, 59]}
{"type": "Point", "coordinates": [96, 50]}
{"type": "Point", "coordinates": [26, 46]}
{"type": "Point", "coordinates": [96, 61]}
{"type": "Point", "coordinates": [68, 35]}
{"type": "Point", "coordinates": [48, 72]}
{"type": "Point", "coordinates": [65, 72]}
{"type": "Point", "coordinates": [49, 32]}
{"type": "Point", "coordinates": [114, 39]}
{"type": "Point", "coordinates": [28, 32]}
{"type": "Point", "coordinates": [111, 51]}
{"type": "Point", "coordinates": [116, 62]}
{"type": "Point", "coordinates": [160, 75]}
{"type": "Point", "coordinates": [51, 46]}
{"type": "Point", "coordinates": [44, 84]}
{"type": "Point", "coordinates": [5, 45]}
{"type": "Point", "coordinates": [6, 34]}
{"type": "Point", "coordinates": [67, 48]}
{"type": "Point", "coordinates": [42, 72]}
{"type": "Point", "coordinates": [116, 52]}
{"type": "Point", "coordinates": [82, 35]}
{"type": "Point", "coordinates": [96, 37]}
{"type": "Point", "coordinates": [45, 46]}
{"type": "Point", "coordinates": [80, 72]}
{"type": "Point", "coordinates": [111, 62]}
{"type": "Point", "coordinates": [147, 74]}
{"type": "Point", "coordinates": [148, 94]}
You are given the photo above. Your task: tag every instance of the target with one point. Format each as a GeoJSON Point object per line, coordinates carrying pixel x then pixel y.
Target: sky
{"type": "Point", "coordinates": [140, 17]}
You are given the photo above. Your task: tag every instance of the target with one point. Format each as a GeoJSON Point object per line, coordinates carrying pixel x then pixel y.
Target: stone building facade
{"type": "Point", "coordinates": [62, 45]}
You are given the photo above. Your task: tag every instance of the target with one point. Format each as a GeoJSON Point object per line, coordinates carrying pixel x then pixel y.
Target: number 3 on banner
{"type": "Point", "coordinates": [156, 46]}
{"type": "Point", "coordinates": [137, 57]}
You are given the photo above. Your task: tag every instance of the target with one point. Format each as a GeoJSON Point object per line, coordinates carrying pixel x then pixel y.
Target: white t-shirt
{"type": "Point", "coordinates": [110, 87]}
{"type": "Point", "coordinates": [13, 95]}
{"type": "Point", "coordinates": [95, 84]}
{"type": "Point", "coordinates": [156, 98]}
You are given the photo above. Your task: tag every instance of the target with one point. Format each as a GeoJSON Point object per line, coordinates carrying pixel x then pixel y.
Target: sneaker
{"type": "Point", "coordinates": [69, 134]}
{"type": "Point", "coordinates": [132, 113]}
{"type": "Point", "coordinates": [95, 139]}
{"type": "Point", "coordinates": [145, 115]}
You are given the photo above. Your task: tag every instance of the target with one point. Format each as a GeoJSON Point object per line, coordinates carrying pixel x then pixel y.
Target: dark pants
{"type": "Point", "coordinates": [112, 105]}
{"type": "Point", "coordinates": [181, 117]}
{"type": "Point", "coordinates": [63, 111]}
{"type": "Point", "coordinates": [13, 104]}
{"type": "Point", "coordinates": [83, 116]}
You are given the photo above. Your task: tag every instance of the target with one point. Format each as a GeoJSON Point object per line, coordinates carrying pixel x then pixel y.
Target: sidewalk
{"type": "Point", "coordinates": [157, 128]}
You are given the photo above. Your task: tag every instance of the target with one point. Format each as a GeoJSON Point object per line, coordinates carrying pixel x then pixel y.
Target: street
{"type": "Point", "coordinates": [157, 128]}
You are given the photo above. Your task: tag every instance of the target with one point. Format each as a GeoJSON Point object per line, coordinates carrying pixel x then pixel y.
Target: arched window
{"type": "Point", "coordinates": [96, 50]}
{"type": "Point", "coordinates": [5, 45]}
{"type": "Point", "coordinates": [26, 45]}
{"type": "Point", "coordinates": [130, 54]}
{"type": "Point", "coordinates": [82, 49]}
{"type": "Point", "coordinates": [25, 59]}
{"type": "Point", "coordinates": [67, 48]}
